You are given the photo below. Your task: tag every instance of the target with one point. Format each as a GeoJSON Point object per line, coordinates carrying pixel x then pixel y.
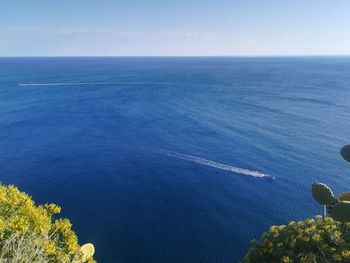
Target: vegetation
{"type": "Point", "coordinates": [313, 240]}
{"type": "Point", "coordinates": [323, 239]}
{"type": "Point", "coordinates": [338, 208]}
{"type": "Point", "coordinates": [29, 233]}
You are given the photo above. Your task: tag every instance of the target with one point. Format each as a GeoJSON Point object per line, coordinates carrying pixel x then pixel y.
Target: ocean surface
{"type": "Point", "coordinates": [175, 159]}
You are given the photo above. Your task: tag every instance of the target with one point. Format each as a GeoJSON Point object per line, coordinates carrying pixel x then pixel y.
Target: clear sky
{"type": "Point", "coordinates": [174, 27]}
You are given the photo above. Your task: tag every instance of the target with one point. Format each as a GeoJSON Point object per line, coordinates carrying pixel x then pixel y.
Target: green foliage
{"type": "Point", "coordinates": [306, 241]}
{"type": "Point", "coordinates": [29, 233]}
{"type": "Point", "coordinates": [322, 194]}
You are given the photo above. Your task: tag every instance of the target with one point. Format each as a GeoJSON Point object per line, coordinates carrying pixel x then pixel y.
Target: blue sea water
{"type": "Point", "coordinates": [142, 153]}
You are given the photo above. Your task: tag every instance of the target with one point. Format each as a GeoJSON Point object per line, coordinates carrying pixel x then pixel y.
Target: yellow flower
{"type": "Point", "coordinates": [316, 237]}
{"type": "Point", "coordinates": [2, 224]}
{"type": "Point", "coordinates": [329, 220]}
{"type": "Point", "coordinates": [49, 248]}
{"type": "Point", "coordinates": [19, 217]}
{"type": "Point", "coordinates": [19, 224]}
{"type": "Point", "coordinates": [52, 209]}
{"type": "Point", "coordinates": [346, 253]}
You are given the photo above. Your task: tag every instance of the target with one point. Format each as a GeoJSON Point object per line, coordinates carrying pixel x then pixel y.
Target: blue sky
{"type": "Point", "coordinates": [176, 27]}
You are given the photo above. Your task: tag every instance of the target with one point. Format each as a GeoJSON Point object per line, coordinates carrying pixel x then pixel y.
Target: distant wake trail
{"type": "Point", "coordinates": [68, 84]}
{"type": "Point", "coordinates": [216, 165]}
{"type": "Point", "coordinates": [100, 83]}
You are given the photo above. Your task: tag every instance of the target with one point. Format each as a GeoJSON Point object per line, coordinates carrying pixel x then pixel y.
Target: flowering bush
{"type": "Point", "coordinates": [306, 241]}
{"type": "Point", "coordinates": [28, 233]}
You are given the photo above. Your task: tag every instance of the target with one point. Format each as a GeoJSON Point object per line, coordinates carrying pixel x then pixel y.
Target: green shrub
{"type": "Point", "coordinates": [306, 241]}
{"type": "Point", "coordinates": [29, 233]}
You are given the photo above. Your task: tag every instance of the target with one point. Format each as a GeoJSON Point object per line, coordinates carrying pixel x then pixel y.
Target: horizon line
{"type": "Point", "coordinates": [178, 56]}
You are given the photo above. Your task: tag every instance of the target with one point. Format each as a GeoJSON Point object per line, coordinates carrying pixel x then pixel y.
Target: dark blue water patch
{"type": "Point", "coordinates": [94, 148]}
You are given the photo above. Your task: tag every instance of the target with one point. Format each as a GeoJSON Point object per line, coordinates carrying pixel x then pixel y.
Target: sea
{"type": "Point", "coordinates": [175, 159]}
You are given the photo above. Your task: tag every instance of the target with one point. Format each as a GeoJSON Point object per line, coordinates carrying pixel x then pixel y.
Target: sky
{"type": "Point", "coordinates": [174, 27]}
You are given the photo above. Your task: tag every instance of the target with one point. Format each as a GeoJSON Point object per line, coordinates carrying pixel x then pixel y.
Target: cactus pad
{"type": "Point", "coordinates": [345, 152]}
{"type": "Point", "coordinates": [88, 251]}
{"type": "Point", "coordinates": [344, 197]}
{"type": "Point", "coordinates": [341, 211]}
{"type": "Point", "coordinates": [322, 194]}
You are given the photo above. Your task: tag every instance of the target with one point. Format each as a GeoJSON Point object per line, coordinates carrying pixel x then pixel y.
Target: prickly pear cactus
{"type": "Point", "coordinates": [88, 251]}
{"type": "Point", "coordinates": [341, 211]}
{"type": "Point", "coordinates": [344, 197]}
{"type": "Point", "coordinates": [322, 194]}
{"type": "Point", "coordinates": [345, 152]}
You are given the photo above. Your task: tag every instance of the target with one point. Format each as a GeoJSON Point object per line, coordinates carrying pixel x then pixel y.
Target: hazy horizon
{"type": "Point", "coordinates": [183, 56]}
{"type": "Point", "coordinates": [164, 28]}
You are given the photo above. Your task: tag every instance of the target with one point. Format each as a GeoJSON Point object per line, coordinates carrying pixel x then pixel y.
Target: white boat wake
{"type": "Point", "coordinates": [99, 83]}
{"type": "Point", "coordinates": [217, 165]}
{"type": "Point", "coordinates": [68, 84]}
